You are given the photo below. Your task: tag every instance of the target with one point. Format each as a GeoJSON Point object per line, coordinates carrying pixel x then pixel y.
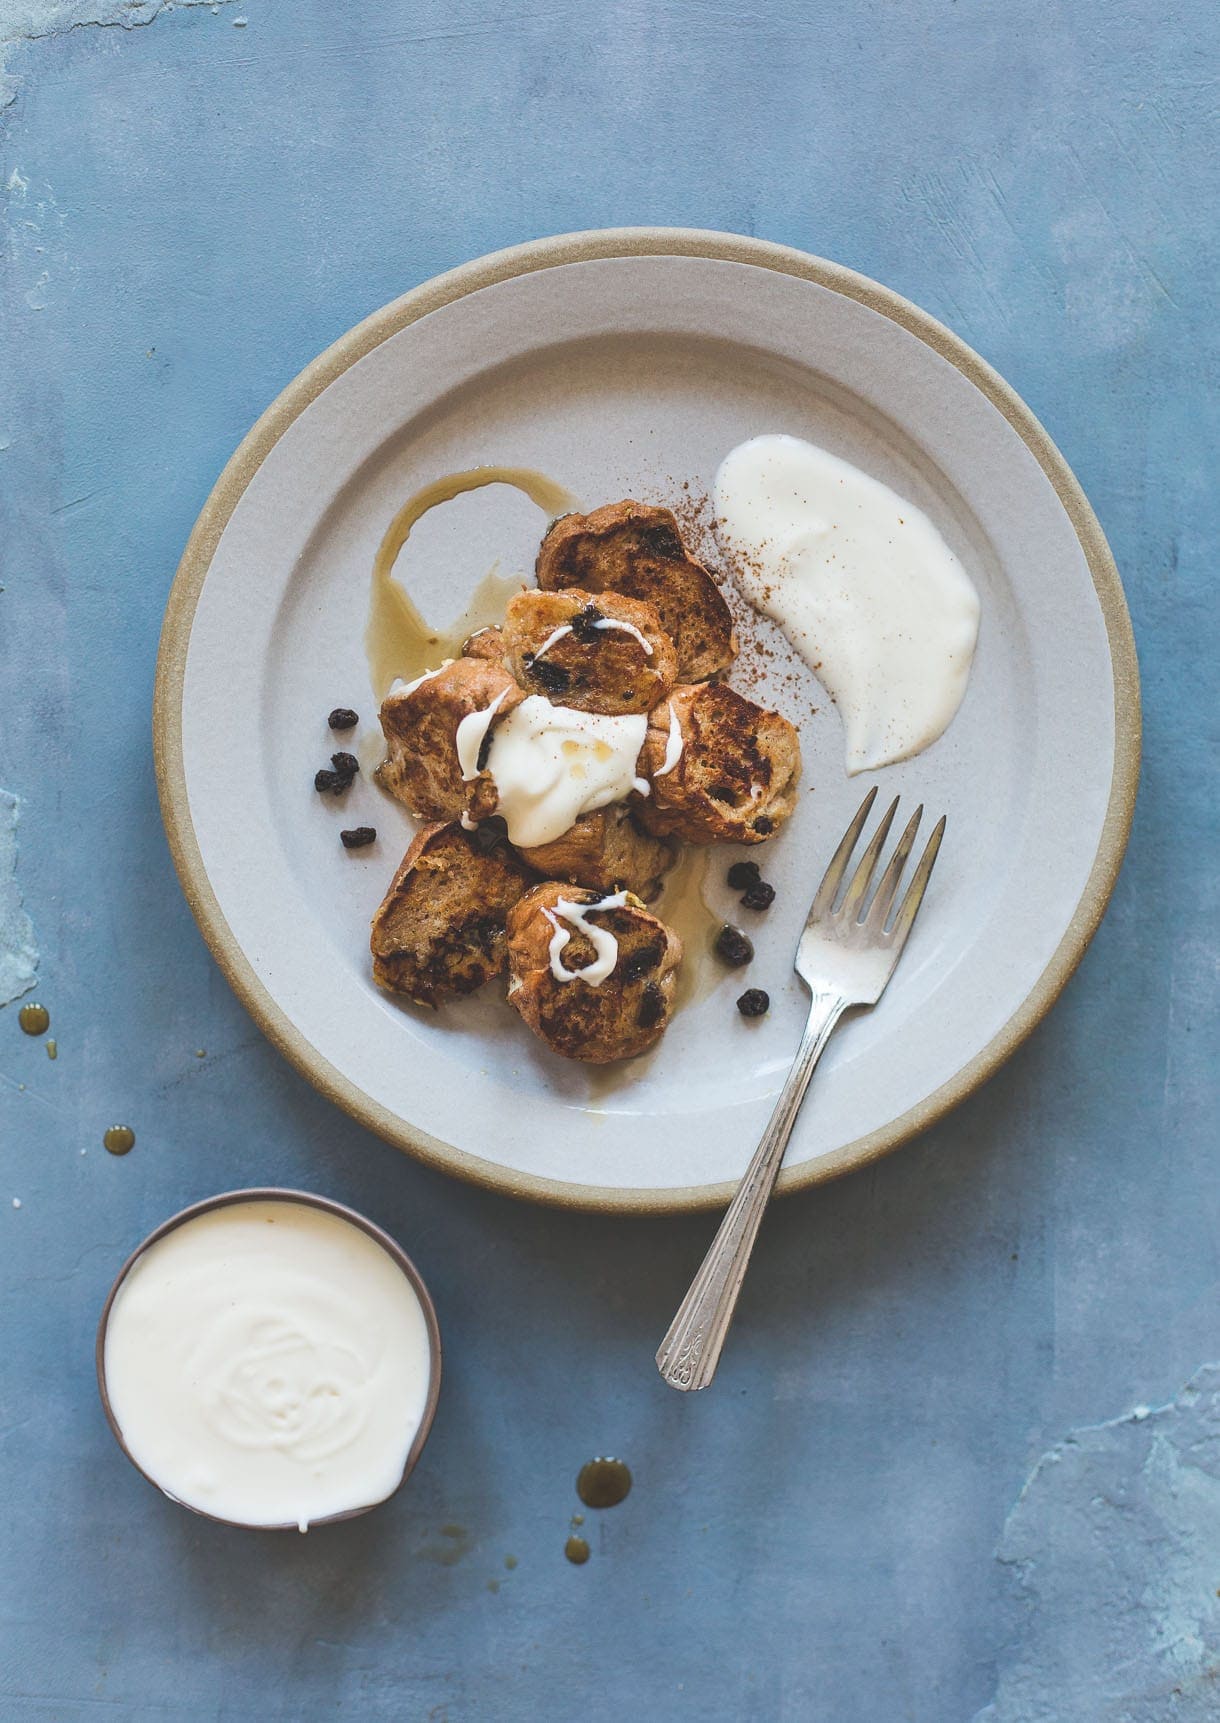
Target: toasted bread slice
{"type": "Point", "coordinates": [637, 550]}
{"type": "Point", "coordinates": [440, 930]}
{"type": "Point", "coordinates": [607, 654]}
{"type": "Point", "coordinates": [485, 643]}
{"type": "Point", "coordinates": [420, 722]}
{"type": "Point", "coordinates": [605, 850]}
{"type": "Point", "coordinates": [735, 778]}
{"type": "Point", "coordinates": [618, 1017]}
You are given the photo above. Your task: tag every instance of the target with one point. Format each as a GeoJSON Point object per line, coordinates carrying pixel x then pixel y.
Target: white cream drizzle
{"type": "Point", "coordinates": [674, 744]}
{"type": "Point", "coordinates": [551, 764]}
{"type": "Point", "coordinates": [401, 687]}
{"type": "Point", "coordinates": [604, 944]}
{"type": "Point", "coordinates": [468, 738]}
{"type": "Point", "coordinates": [604, 623]}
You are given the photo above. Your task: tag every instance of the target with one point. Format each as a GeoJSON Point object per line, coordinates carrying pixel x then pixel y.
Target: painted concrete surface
{"type": "Point", "coordinates": [902, 1499]}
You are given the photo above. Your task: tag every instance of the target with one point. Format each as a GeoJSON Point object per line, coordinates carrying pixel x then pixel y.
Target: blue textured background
{"type": "Point", "coordinates": [199, 205]}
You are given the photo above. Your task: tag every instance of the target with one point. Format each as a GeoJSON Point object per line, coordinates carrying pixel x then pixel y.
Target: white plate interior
{"type": "Point", "coordinates": [634, 377]}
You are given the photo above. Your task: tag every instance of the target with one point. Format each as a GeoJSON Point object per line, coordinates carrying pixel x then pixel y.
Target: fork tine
{"type": "Point", "coordinates": [883, 902]}
{"type": "Point", "coordinates": [909, 908]}
{"type": "Point", "coordinates": [833, 877]}
{"type": "Point", "coordinates": [863, 876]}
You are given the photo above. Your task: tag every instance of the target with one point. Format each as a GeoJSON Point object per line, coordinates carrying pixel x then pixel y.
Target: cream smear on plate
{"type": "Point", "coordinates": [861, 582]}
{"type": "Point", "coordinates": [268, 1363]}
{"type": "Point", "coordinates": [551, 764]}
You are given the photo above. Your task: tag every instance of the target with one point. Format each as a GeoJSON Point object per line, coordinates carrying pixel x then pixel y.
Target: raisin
{"type": "Point", "coordinates": [732, 947]}
{"type": "Point", "coordinates": [652, 1007]}
{"type": "Point", "coordinates": [484, 755]}
{"type": "Point", "coordinates": [346, 765]}
{"type": "Point", "coordinates": [553, 677]}
{"type": "Point", "coordinates": [357, 837]}
{"type": "Point", "coordinates": [490, 832]}
{"type": "Point", "coordinates": [343, 718]}
{"type": "Point", "coordinates": [754, 1002]}
{"type": "Point", "coordinates": [760, 895]}
{"type": "Point", "coordinates": [331, 781]}
{"type": "Point", "coordinates": [723, 793]}
{"type": "Point", "coordinates": [662, 540]}
{"type": "Point", "coordinates": [742, 875]}
{"type": "Point", "coordinates": [636, 967]}
{"type": "Point", "coordinates": [764, 826]}
{"type": "Point", "coordinates": [584, 625]}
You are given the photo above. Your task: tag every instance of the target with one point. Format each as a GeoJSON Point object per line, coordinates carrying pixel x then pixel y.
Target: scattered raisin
{"type": "Point", "coordinates": [723, 793]}
{"type": "Point", "coordinates": [343, 718]}
{"type": "Point", "coordinates": [760, 895]}
{"type": "Point", "coordinates": [490, 832]}
{"type": "Point", "coordinates": [754, 1002]}
{"type": "Point", "coordinates": [636, 967]}
{"type": "Point", "coordinates": [584, 624]}
{"type": "Point", "coordinates": [345, 768]}
{"type": "Point", "coordinates": [764, 825]}
{"type": "Point", "coordinates": [553, 677]}
{"type": "Point", "coordinates": [357, 837]}
{"type": "Point", "coordinates": [742, 875]}
{"type": "Point", "coordinates": [732, 947]}
{"type": "Point", "coordinates": [652, 1007]}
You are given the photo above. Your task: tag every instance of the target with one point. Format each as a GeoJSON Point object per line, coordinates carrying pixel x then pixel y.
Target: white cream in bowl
{"type": "Point", "coordinates": [268, 1362]}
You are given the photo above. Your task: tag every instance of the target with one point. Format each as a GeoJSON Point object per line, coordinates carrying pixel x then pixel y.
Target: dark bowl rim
{"type": "Point", "coordinates": [328, 1205]}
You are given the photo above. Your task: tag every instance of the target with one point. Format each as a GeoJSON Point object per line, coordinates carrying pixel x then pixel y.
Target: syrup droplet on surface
{"type": "Point", "coordinates": [577, 1551]}
{"type": "Point", "coordinates": [603, 1483]}
{"type": "Point", "coordinates": [52, 1049]}
{"type": "Point", "coordinates": [34, 1019]}
{"type": "Point", "coordinates": [119, 1139]}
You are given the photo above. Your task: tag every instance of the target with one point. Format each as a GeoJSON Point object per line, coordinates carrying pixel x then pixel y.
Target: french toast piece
{"type": "Point", "coordinates": [605, 850]}
{"type": "Point", "coordinates": [637, 550]}
{"type": "Point", "coordinates": [485, 643]}
{"type": "Point", "coordinates": [735, 778]}
{"type": "Point", "coordinates": [607, 654]}
{"type": "Point", "coordinates": [440, 930]}
{"type": "Point", "coordinates": [421, 766]}
{"type": "Point", "coordinates": [619, 1017]}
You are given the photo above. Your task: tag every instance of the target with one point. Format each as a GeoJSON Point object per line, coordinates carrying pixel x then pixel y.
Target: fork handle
{"type": "Point", "coordinates": [690, 1352]}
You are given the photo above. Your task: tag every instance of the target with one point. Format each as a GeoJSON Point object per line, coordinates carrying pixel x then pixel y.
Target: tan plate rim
{"type": "Point", "coordinates": [442, 290]}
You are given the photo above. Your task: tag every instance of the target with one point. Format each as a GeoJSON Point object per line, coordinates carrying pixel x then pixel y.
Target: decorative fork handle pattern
{"type": "Point", "coordinates": [690, 1352]}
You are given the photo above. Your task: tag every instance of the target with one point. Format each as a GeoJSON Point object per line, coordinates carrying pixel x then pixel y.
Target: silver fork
{"type": "Point", "coordinates": [847, 954]}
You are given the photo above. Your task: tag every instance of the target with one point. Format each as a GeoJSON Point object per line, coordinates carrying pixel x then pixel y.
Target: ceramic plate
{"type": "Point", "coordinates": [628, 363]}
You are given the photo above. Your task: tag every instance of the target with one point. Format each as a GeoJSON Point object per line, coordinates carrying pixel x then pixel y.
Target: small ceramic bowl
{"type": "Point", "coordinates": [275, 1194]}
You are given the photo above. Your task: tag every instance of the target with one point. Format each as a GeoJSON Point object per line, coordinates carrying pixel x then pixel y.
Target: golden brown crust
{"type": "Point", "coordinates": [637, 550]}
{"type": "Point", "coordinates": [593, 668]}
{"type": "Point", "coordinates": [421, 765]}
{"type": "Point", "coordinates": [440, 930]}
{"type": "Point", "coordinates": [485, 643]}
{"type": "Point", "coordinates": [622, 1016]}
{"type": "Point", "coordinates": [735, 779]}
{"type": "Point", "coordinates": [606, 850]}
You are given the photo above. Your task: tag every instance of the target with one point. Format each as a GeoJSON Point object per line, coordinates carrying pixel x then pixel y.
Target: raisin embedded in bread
{"type": "Point", "coordinates": [420, 723]}
{"type": "Point", "coordinates": [637, 550]}
{"type": "Point", "coordinates": [736, 776]}
{"type": "Point", "coordinates": [604, 654]}
{"type": "Point", "coordinates": [440, 930]}
{"type": "Point", "coordinates": [606, 850]}
{"type": "Point", "coordinates": [622, 1015]}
